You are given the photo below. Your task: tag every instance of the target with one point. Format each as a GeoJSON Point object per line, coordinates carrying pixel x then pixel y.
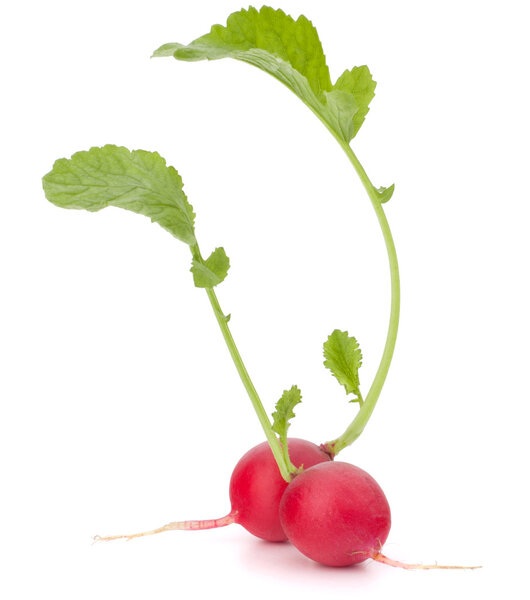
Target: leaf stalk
{"type": "Point", "coordinates": [249, 386]}
{"type": "Point", "coordinates": [357, 426]}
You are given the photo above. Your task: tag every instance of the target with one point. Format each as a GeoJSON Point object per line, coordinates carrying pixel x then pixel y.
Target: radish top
{"type": "Point", "coordinates": [140, 181]}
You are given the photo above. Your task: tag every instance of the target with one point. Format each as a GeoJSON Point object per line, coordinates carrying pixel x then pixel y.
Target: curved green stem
{"type": "Point", "coordinates": [355, 428]}
{"type": "Point", "coordinates": [276, 448]}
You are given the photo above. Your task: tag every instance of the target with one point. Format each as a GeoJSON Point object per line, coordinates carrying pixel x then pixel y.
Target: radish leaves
{"type": "Point", "coordinates": [385, 193]}
{"type": "Point", "coordinates": [344, 358]}
{"type": "Point", "coordinates": [291, 52]}
{"type": "Point", "coordinates": [281, 417]}
{"type": "Point", "coordinates": [141, 182]}
{"type": "Point", "coordinates": [212, 271]}
{"type": "Point", "coordinates": [138, 181]}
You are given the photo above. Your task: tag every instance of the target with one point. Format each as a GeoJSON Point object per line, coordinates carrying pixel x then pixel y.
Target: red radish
{"type": "Point", "coordinates": [336, 514]}
{"type": "Point", "coordinates": [256, 488]}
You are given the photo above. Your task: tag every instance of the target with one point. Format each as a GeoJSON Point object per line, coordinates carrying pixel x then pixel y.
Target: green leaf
{"type": "Point", "coordinates": [385, 193]}
{"type": "Point", "coordinates": [284, 412]}
{"type": "Point", "coordinates": [136, 180]}
{"type": "Point", "coordinates": [359, 83]}
{"type": "Point", "coordinates": [343, 358]}
{"type": "Point", "coordinates": [212, 271]}
{"type": "Point", "coordinates": [291, 52]}
{"type": "Point", "coordinates": [166, 50]}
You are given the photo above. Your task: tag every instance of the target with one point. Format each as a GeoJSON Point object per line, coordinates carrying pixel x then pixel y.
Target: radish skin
{"type": "Point", "coordinates": [336, 514]}
{"type": "Point", "coordinates": [257, 487]}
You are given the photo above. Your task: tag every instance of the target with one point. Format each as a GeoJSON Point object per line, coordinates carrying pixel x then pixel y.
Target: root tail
{"type": "Point", "coordinates": [396, 563]}
{"type": "Point", "coordinates": [176, 525]}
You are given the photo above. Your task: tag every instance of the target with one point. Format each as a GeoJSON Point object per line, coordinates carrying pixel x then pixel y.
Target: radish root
{"type": "Point", "coordinates": [396, 563]}
{"type": "Point", "coordinates": [176, 525]}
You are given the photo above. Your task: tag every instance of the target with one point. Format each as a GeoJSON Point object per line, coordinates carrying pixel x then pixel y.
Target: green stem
{"type": "Point", "coordinates": [357, 426]}
{"type": "Point", "coordinates": [276, 448]}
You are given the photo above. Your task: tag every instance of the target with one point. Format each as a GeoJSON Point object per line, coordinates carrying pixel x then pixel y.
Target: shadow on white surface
{"type": "Point", "coordinates": [282, 560]}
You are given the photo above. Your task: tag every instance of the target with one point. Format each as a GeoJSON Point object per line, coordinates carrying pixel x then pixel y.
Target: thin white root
{"type": "Point", "coordinates": [176, 525]}
{"type": "Point", "coordinates": [396, 563]}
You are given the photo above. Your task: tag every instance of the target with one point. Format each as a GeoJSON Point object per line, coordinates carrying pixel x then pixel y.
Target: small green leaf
{"type": "Point", "coordinates": [343, 358]}
{"type": "Point", "coordinates": [291, 52]}
{"type": "Point", "coordinates": [284, 412]}
{"type": "Point", "coordinates": [359, 83]}
{"type": "Point", "coordinates": [212, 271]}
{"type": "Point", "coordinates": [136, 180]}
{"type": "Point", "coordinates": [385, 193]}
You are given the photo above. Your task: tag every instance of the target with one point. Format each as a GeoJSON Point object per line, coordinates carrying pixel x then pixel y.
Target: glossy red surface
{"type": "Point", "coordinates": [336, 514]}
{"type": "Point", "coordinates": [256, 486]}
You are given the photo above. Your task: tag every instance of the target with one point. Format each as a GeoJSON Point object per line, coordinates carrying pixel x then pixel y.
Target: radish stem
{"type": "Point", "coordinates": [222, 321]}
{"type": "Point", "coordinates": [249, 386]}
{"type": "Point", "coordinates": [357, 426]}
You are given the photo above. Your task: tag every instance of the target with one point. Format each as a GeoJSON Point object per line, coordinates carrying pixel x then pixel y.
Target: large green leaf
{"type": "Point", "coordinates": [291, 52]}
{"type": "Point", "coordinates": [135, 180]}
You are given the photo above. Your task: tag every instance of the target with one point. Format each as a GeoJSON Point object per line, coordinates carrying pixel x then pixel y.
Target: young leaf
{"type": "Point", "coordinates": [284, 412]}
{"type": "Point", "coordinates": [359, 83]}
{"type": "Point", "coordinates": [343, 358]}
{"type": "Point", "coordinates": [212, 271]}
{"type": "Point", "coordinates": [136, 180]}
{"type": "Point", "coordinates": [291, 52]}
{"type": "Point", "coordinates": [385, 193]}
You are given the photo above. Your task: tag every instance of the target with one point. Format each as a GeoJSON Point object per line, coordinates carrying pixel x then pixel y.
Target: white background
{"type": "Point", "coordinates": [120, 409]}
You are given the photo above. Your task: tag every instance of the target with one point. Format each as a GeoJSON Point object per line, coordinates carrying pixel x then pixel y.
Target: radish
{"type": "Point", "coordinates": [336, 514]}
{"type": "Point", "coordinates": [256, 488]}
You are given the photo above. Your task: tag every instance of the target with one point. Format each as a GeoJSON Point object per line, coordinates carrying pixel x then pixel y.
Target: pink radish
{"type": "Point", "coordinates": [256, 488]}
{"type": "Point", "coordinates": [336, 514]}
